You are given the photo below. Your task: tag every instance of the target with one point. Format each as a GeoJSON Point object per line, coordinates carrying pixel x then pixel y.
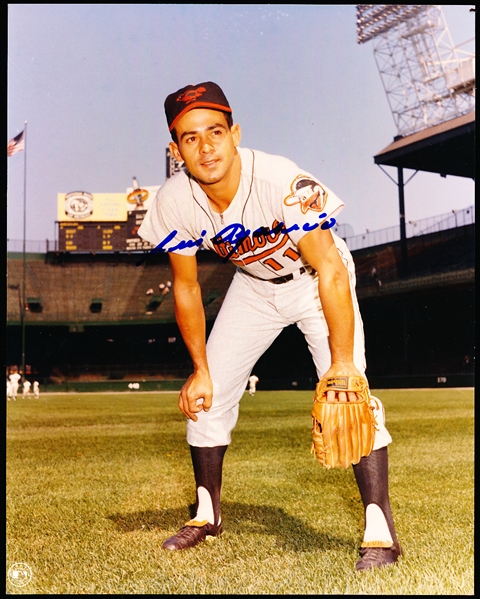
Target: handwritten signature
{"type": "Point", "coordinates": [234, 234]}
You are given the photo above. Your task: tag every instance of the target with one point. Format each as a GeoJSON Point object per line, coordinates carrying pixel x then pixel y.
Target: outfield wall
{"type": "Point", "coordinates": [130, 386]}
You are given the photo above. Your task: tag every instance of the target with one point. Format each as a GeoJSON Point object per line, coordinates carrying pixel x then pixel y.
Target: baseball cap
{"type": "Point", "coordinates": [202, 95]}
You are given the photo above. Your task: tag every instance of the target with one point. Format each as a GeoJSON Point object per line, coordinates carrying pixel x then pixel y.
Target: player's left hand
{"type": "Point", "coordinates": [342, 369]}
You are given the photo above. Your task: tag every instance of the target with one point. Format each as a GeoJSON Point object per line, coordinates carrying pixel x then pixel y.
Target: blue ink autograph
{"type": "Point", "coordinates": [233, 236]}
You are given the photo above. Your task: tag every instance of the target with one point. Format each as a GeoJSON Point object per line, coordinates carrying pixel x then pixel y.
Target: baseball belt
{"type": "Point", "coordinates": [285, 278]}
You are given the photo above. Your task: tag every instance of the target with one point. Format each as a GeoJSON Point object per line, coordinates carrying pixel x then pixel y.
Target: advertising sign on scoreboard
{"type": "Point", "coordinates": [83, 206]}
{"type": "Point", "coordinates": [141, 199]}
{"type": "Point", "coordinates": [103, 222]}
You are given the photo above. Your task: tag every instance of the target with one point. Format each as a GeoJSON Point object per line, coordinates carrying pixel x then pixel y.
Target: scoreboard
{"type": "Point", "coordinates": [103, 236]}
{"type": "Point", "coordinates": [96, 233]}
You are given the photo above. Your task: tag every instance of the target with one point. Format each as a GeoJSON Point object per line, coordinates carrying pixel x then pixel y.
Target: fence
{"type": "Point", "coordinates": [442, 222]}
{"type": "Point", "coordinates": [450, 220]}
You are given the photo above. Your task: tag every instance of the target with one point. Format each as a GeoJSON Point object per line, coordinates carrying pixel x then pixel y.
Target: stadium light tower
{"type": "Point", "coordinates": [426, 79]}
{"type": "Point", "coordinates": [429, 84]}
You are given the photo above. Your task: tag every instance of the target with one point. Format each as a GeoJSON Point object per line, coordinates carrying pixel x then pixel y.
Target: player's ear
{"type": "Point", "coordinates": [236, 134]}
{"type": "Point", "coordinates": [172, 146]}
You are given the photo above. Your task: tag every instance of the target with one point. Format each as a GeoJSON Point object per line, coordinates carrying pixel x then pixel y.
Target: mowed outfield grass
{"type": "Point", "coordinates": [96, 482]}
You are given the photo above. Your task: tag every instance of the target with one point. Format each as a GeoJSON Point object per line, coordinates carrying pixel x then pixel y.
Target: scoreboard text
{"type": "Point", "coordinates": [103, 236]}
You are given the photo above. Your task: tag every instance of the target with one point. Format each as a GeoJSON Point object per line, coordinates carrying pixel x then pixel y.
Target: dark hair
{"type": "Point", "coordinates": [228, 118]}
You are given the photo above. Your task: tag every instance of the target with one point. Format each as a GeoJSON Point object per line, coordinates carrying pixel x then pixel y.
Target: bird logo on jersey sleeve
{"type": "Point", "coordinates": [308, 193]}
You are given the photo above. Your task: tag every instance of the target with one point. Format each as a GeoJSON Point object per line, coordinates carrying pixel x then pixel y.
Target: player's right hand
{"type": "Point", "coordinates": [196, 395]}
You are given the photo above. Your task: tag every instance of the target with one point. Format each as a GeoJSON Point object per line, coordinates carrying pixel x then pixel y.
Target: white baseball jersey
{"type": "Point", "coordinates": [14, 379]}
{"type": "Point", "coordinates": [275, 205]}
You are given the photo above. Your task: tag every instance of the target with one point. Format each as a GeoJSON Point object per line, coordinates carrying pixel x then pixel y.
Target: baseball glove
{"type": "Point", "coordinates": [343, 431]}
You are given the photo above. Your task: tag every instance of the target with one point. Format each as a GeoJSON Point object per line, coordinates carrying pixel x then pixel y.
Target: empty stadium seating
{"type": "Point", "coordinates": [99, 289]}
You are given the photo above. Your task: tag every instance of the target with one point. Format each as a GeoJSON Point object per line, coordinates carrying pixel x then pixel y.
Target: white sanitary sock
{"type": "Point", "coordinates": [376, 528]}
{"type": "Point", "coordinates": [205, 506]}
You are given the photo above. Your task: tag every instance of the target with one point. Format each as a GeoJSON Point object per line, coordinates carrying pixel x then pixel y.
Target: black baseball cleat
{"type": "Point", "coordinates": [377, 557]}
{"type": "Point", "coordinates": [192, 534]}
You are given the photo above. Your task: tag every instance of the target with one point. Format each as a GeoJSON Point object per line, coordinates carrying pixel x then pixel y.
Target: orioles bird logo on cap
{"type": "Point", "coordinates": [191, 95]}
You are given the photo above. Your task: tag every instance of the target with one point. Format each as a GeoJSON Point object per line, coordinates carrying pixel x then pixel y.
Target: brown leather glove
{"type": "Point", "coordinates": [343, 431]}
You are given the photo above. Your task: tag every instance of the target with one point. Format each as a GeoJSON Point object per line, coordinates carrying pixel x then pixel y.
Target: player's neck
{"type": "Point", "coordinates": [221, 193]}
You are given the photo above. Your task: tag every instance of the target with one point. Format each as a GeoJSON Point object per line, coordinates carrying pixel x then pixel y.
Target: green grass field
{"type": "Point", "coordinates": [96, 482]}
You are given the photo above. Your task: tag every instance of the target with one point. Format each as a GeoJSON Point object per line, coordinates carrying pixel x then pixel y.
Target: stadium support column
{"type": "Point", "coordinates": [403, 270]}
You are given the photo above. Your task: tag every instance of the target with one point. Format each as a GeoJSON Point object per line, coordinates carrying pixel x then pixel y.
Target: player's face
{"type": "Point", "coordinates": [206, 144]}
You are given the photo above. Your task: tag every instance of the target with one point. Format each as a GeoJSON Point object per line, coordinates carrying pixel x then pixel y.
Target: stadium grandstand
{"type": "Point", "coordinates": [105, 319]}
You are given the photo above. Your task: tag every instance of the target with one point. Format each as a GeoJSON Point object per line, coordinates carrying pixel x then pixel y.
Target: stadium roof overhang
{"type": "Point", "coordinates": [446, 149]}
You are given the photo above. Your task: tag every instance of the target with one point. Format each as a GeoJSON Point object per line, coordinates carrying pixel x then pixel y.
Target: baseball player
{"type": "Point", "coordinates": [26, 389]}
{"type": "Point", "coordinates": [14, 384]}
{"type": "Point", "coordinates": [274, 221]}
{"type": "Point", "coordinates": [36, 389]}
{"type": "Point", "coordinates": [252, 384]}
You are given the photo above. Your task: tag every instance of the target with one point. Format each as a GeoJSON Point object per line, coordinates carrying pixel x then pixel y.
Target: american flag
{"type": "Point", "coordinates": [17, 144]}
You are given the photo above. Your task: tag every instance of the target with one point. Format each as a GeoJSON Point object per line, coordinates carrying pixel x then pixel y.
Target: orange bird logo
{"type": "Point", "coordinates": [308, 193]}
{"type": "Point", "coordinates": [191, 95]}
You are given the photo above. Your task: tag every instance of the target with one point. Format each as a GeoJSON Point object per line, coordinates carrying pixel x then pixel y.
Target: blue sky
{"type": "Point", "coordinates": [91, 79]}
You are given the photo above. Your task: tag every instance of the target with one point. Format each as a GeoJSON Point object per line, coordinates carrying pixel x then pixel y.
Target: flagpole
{"type": "Point", "coordinates": [24, 299]}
